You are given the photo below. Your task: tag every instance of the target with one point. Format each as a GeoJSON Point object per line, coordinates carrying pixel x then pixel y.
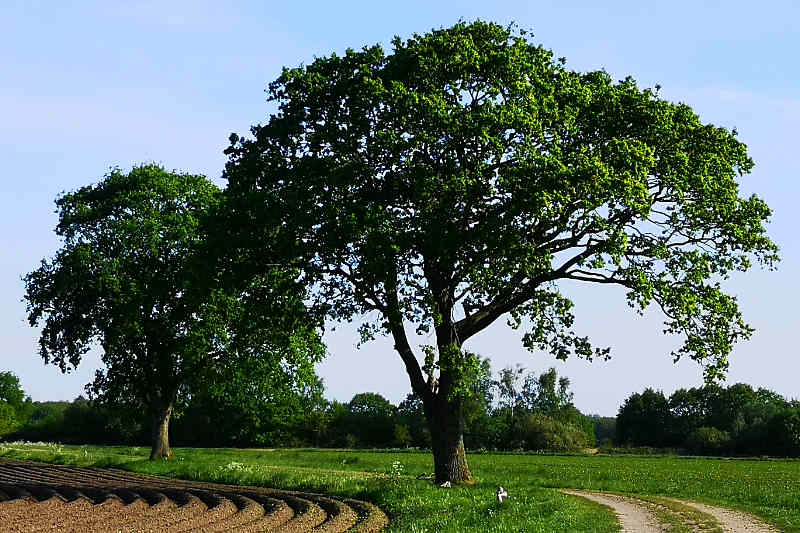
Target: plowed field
{"type": "Point", "coordinates": [41, 497]}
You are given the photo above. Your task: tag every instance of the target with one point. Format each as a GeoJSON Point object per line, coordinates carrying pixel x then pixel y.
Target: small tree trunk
{"type": "Point", "coordinates": [446, 423]}
{"type": "Point", "coordinates": [160, 434]}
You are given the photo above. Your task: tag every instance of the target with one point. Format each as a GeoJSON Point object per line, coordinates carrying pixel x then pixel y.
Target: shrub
{"type": "Point", "coordinates": [708, 441]}
{"type": "Point", "coordinates": [541, 432]}
{"type": "Point", "coordinates": [784, 433]}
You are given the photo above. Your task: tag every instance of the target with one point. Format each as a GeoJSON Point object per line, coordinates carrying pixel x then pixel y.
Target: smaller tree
{"type": "Point", "coordinates": [605, 429]}
{"type": "Point", "coordinates": [410, 413]}
{"type": "Point", "coordinates": [784, 432]}
{"type": "Point", "coordinates": [11, 391]}
{"type": "Point", "coordinates": [507, 391]}
{"type": "Point", "coordinates": [644, 420]}
{"type": "Point", "coordinates": [8, 419]}
{"type": "Point", "coordinates": [478, 398]}
{"type": "Point", "coordinates": [370, 418]}
{"type": "Point", "coordinates": [133, 276]}
{"type": "Point", "coordinates": [12, 403]}
{"type": "Point", "coordinates": [402, 436]}
{"type": "Point", "coordinates": [547, 393]}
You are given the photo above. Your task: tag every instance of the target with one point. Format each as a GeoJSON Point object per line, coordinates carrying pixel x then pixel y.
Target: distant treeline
{"type": "Point", "coordinates": [712, 420]}
{"type": "Point", "coordinates": [514, 412]}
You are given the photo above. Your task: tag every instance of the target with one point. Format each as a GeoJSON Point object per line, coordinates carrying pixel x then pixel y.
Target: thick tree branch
{"type": "Point", "coordinates": [483, 317]}
{"type": "Point", "coordinates": [394, 317]}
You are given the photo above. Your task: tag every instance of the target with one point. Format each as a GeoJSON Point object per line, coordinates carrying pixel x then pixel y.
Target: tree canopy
{"type": "Point", "coordinates": [467, 174]}
{"type": "Point", "coordinates": [712, 419]}
{"type": "Point", "coordinates": [12, 403]}
{"type": "Point", "coordinates": [11, 391]}
{"type": "Point", "coordinates": [132, 276]}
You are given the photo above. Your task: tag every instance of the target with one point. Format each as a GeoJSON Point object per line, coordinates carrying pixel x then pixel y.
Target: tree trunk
{"type": "Point", "coordinates": [444, 411]}
{"type": "Point", "coordinates": [160, 434]}
{"type": "Point", "coordinates": [446, 422]}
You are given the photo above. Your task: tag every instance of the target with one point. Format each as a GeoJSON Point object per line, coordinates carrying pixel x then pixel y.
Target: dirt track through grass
{"type": "Point", "coordinates": [40, 497]}
{"type": "Point", "coordinates": [632, 515]}
{"type": "Point", "coordinates": [651, 515]}
{"type": "Point", "coordinates": [732, 521]}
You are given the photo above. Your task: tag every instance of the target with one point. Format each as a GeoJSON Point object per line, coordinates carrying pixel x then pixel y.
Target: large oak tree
{"type": "Point", "coordinates": [467, 174]}
{"type": "Point", "coordinates": [134, 275]}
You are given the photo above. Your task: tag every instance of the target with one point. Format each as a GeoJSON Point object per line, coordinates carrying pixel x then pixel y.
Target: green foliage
{"type": "Point", "coordinates": [547, 393]}
{"type": "Point", "coordinates": [411, 414]}
{"type": "Point", "coordinates": [531, 403]}
{"type": "Point", "coordinates": [468, 160]}
{"type": "Point", "coordinates": [468, 171]}
{"type": "Point", "coordinates": [708, 441]}
{"type": "Point", "coordinates": [42, 411]}
{"type": "Point", "coordinates": [784, 432]}
{"type": "Point", "coordinates": [402, 436]}
{"type": "Point", "coordinates": [8, 419]}
{"type": "Point", "coordinates": [542, 432]}
{"type": "Point", "coordinates": [13, 409]}
{"type": "Point", "coordinates": [370, 420]}
{"type": "Point", "coordinates": [11, 392]}
{"type": "Point", "coordinates": [644, 420]}
{"type": "Point", "coordinates": [711, 420]}
{"type": "Point", "coordinates": [81, 422]}
{"type": "Point", "coordinates": [506, 385]}
{"type": "Point", "coordinates": [605, 429]}
{"type": "Point", "coordinates": [257, 405]}
{"type": "Point", "coordinates": [134, 275]}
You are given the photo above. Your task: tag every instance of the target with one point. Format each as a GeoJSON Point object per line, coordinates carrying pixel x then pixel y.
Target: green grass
{"type": "Point", "coordinates": [770, 489]}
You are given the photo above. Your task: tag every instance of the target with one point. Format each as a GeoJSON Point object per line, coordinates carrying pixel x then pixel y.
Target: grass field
{"type": "Point", "coordinates": [767, 488]}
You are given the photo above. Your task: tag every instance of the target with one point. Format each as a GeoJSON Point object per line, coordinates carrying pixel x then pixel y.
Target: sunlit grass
{"type": "Point", "coordinates": [770, 489]}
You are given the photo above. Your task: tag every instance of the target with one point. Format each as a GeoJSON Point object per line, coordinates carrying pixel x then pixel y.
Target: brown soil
{"type": "Point", "coordinates": [40, 497]}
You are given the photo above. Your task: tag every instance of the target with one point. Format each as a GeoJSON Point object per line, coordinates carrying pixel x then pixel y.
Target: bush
{"type": "Point", "coordinates": [8, 419]}
{"type": "Point", "coordinates": [541, 432]}
{"type": "Point", "coordinates": [708, 441]}
{"type": "Point", "coordinates": [605, 429]}
{"type": "Point", "coordinates": [784, 433]}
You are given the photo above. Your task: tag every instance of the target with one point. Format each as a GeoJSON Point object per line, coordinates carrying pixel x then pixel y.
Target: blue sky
{"type": "Point", "coordinates": [93, 85]}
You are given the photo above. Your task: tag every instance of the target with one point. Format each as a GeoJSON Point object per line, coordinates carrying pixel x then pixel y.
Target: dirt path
{"type": "Point", "coordinates": [633, 515]}
{"type": "Point", "coordinates": [636, 516]}
{"type": "Point", "coordinates": [732, 521]}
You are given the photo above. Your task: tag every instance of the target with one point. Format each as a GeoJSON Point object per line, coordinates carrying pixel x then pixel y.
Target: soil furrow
{"type": "Point", "coordinates": [371, 518]}
{"type": "Point", "coordinates": [340, 516]}
{"type": "Point", "coordinates": [41, 497]}
{"type": "Point", "coordinates": [169, 517]}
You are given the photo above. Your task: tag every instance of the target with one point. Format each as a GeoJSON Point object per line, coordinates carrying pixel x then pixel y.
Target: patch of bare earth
{"type": "Point", "coordinates": [39, 497]}
{"type": "Point", "coordinates": [640, 516]}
